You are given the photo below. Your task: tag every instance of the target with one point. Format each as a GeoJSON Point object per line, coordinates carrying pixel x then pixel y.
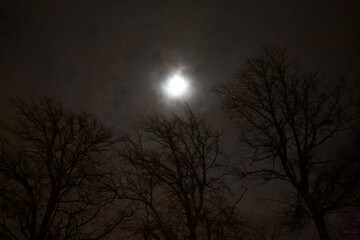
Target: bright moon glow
{"type": "Point", "coordinates": [176, 86]}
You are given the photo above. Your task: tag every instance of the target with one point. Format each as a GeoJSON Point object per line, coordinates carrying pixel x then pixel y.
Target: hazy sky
{"type": "Point", "coordinates": [110, 57]}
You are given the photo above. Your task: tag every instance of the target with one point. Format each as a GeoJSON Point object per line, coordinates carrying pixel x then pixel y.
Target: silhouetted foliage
{"type": "Point", "coordinates": [285, 115]}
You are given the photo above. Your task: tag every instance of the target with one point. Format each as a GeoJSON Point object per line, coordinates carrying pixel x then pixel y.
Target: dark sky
{"type": "Point", "coordinates": [110, 57]}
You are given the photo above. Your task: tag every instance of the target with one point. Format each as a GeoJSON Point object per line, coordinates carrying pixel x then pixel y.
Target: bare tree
{"type": "Point", "coordinates": [54, 171]}
{"type": "Point", "coordinates": [286, 114]}
{"type": "Point", "coordinates": [175, 169]}
{"type": "Point", "coordinates": [223, 221]}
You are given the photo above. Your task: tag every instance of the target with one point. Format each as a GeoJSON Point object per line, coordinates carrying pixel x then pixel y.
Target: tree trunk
{"type": "Point", "coordinates": [317, 216]}
{"type": "Point", "coordinates": [192, 231]}
{"type": "Point", "coordinates": [320, 224]}
{"type": "Point", "coordinates": [192, 235]}
{"type": "Point", "coordinates": [50, 207]}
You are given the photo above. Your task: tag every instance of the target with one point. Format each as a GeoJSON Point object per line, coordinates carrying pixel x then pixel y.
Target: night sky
{"type": "Point", "coordinates": [110, 58]}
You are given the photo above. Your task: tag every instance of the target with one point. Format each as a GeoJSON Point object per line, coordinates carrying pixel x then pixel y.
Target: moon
{"type": "Point", "coordinates": [176, 86]}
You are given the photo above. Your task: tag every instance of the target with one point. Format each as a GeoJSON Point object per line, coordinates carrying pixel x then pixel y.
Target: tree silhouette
{"type": "Point", "coordinates": [54, 164]}
{"type": "Point", "coordinates": [175, 169]}
{"type": "Point", "coordinates": [286, 114]}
